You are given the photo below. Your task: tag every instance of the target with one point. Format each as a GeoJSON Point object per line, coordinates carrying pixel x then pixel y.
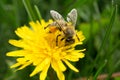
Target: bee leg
{"type": "Point", "coordinates": [62, 38]}
{"type": "Point", "coordinates": [47, 26]}
{"type": "Point", "coordinates": [57, 39]}
{"type": "Point", "coordinates": [52, 24]}
{"type": "Point", "coordinates": [77, 37]}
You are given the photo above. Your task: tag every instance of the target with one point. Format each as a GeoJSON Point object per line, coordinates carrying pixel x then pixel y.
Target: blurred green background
{"type": "Point", "coordinates": [98, 19]}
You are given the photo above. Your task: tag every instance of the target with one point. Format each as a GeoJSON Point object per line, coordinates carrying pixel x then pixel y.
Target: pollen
{"type": "Point", "coordinates": [53, 29]}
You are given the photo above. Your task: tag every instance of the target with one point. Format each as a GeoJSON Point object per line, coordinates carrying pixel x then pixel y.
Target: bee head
{"type": "Point", "coordinates": [69, 33]}
{"type": "Point", "coordinates": [69, 40]}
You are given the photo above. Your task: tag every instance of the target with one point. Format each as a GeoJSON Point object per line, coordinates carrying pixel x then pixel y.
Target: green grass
{"type": "Point", "coordinates": [98, 19]}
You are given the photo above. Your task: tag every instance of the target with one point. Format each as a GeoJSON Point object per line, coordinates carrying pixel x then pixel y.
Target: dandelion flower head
{"type": "Point", "coordinates": [38, 48]}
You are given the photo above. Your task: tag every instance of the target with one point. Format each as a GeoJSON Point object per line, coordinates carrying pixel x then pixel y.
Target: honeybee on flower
{"type": "Point", "coordinates": [66, 27]}
{"type": "Point", "coordinates": [38, 46]}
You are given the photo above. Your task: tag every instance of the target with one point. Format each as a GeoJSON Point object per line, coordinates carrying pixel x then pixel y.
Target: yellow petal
{"type": "Point", "coordinates": [43, 74]}
{"type": "Point", "coordinates": [74, 55]}
{"type": "Point", "coordinates": [24, 32]}
{"type": "Point", "coordinates": [62, 66]}
{"type": "Point", "coordinates": [24, 65]}
{"type": "Point", "coordinates": [15, 65]}
{"type": "Point", "coordinates": [21, 60]}
{"type": "Point", "coordinates": [77, 54]}
{"type": "Point", "coordinates": [21, 43]}
{"type": "Point", "coordinates": [43, 23]}
{"type": "Point", "coordinates": [16, 53]}
{"type": "Point", "coordinates": [71, 58]}
{"type": "Point", "coordinates": [37, 28]}
{"type": "Point", "coordinates": [80, 35]}
{"type": "Point", "coordinates": [17, 43]}
{"type": "Point", "coordinates": [40, 67]}
{"type": "Point", "coordinates": [70, 66]}
{"type": "Point", "coordinates": [58, 71]}
{"type": "Point", "coordinates": [60, 75]}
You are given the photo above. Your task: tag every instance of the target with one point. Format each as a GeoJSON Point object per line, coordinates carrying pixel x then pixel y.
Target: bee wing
{"type": "Point", "coordinates": [55, 15]}
{"type": "Point", "coordinates": [72, 16]}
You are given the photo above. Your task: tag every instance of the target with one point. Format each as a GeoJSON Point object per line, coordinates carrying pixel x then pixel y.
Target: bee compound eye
{"type": "Point", "coordinates": [70, 40]}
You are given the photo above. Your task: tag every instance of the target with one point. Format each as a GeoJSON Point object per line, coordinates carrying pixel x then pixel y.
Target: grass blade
{"type": "Point", "coordinates": [116, 66]}
{"type": "Point", "coordinates": [99, 70]}
{"type": "Point", "coordinates": [109, 27]}
{"type": "Point", "coordinates": [108, 31]}
{"type": "Point", "coordinates": [38, 12]}
{"type": "Point", "coordinates": [29, 9]}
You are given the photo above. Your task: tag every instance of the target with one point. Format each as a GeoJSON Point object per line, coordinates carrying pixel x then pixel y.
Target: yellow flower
{"type": "Point", "coordinates": [38, 47]}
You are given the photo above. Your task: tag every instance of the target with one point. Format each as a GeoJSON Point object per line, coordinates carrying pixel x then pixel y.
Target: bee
{"type": "Point", "coordinates": [67, 27]}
